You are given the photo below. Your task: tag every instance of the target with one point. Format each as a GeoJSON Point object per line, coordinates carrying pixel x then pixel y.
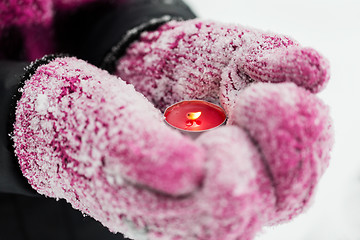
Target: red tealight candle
{"type": "Point", "coordinates": [194, 115]}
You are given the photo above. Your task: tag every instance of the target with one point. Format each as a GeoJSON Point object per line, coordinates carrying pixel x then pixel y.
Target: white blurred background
{"type": "Point", "coordinates": [333, 28]}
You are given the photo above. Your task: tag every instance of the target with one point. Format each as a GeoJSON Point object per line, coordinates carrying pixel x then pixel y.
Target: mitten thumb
{"type": "Point", "coordinates": [75, 119]}
{"type": "Point", "coordinates": [293, 132]}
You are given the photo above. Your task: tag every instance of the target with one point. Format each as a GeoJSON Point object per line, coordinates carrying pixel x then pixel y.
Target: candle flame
{"type": "Point", "coordinates": [193, 115]}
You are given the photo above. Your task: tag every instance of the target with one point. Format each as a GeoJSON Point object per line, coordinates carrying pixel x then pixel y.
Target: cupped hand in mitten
{"type": "Point", "coordinates": [266, 82]}
{"type": "Point", "coordinates": [199, 59]}
{"type": "Point", "coordinates": [84, 135]}
{"type": "Point", "coordinates": [75, 120]}
{"type": "Point", "coordinates": [88, 137]}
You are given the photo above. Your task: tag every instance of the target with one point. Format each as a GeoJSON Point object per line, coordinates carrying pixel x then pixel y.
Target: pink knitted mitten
{"type": "Point", "coordinates": [293, 132]}
{"type": "Point", "coordinates": [86, 136]}
{"type": "Point", "coordinates": [199, 59]}
{"type": "Point", "coordinates": [74, 119]}
{"type": "Point", "coordinates": [224, 63]}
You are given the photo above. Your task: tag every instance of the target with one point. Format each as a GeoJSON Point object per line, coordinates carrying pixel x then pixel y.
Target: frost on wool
{"type": "Point", "coordinates": [86, 136]}
{"type": "Point", "coordinates": [42, 104]}
{"type": "Point", "coordinates": [295, 141]}
{"type": "Point", "coordinates": [199, 59]}
{"type": "Point", "coordinates": [86, 112]}
{"type": "Point", "coordinates": [95, 122]}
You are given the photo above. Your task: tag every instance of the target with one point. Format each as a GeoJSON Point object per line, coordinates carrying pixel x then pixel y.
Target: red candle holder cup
{"type": "Point", "coordinates": [193, 117]}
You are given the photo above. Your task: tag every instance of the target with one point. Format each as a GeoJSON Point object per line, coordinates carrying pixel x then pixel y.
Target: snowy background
{"type": "Point", "coordinates": [333, 28]}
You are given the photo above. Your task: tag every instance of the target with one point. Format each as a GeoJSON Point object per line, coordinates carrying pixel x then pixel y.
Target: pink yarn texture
{"type": "Point", "coordinates": [87, 136]}
{"type": "Point", "coordinates": [213, 61]}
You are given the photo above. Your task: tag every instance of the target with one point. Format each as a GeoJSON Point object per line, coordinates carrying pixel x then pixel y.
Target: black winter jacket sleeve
{"type": "Point", "coordinates": [11, 179]}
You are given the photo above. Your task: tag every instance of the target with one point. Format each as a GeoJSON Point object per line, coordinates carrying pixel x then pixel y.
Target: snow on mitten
{"type": "Point", "coordinates": [78, 125]}
{"type": "Point", "coordinates": [199, 59]}
{"type": "Point", "coordinates": [88, 137]}
{"type": "Point", "coordinates": [293, 132]}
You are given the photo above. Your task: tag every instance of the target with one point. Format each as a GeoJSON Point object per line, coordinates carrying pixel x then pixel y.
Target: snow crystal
{"type": "Point", "coordinates": [42, 104]}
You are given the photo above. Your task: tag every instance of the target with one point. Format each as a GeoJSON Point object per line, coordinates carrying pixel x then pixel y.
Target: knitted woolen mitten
{"type": "Point", "coordinates": [88, 137]}
{"type": "Point", "coordinates": [292, 130]}
{"type": "Point", "coordinates": [74, 119]}
{"type": "Point", "coordinates": [199, 59]}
